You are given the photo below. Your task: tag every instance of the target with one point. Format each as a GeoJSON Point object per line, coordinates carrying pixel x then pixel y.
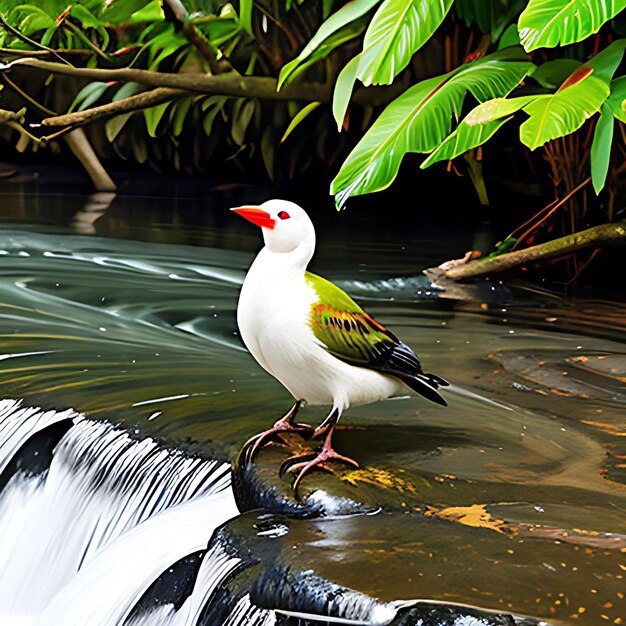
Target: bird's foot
{"type": "Point", "coordinates": [282, 426]}
{"type": "Point", "coordinates": [320, 460]}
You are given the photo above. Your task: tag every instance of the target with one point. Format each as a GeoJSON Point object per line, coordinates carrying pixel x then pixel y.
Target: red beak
{"type": "Point", "coordinates": [256, 216]}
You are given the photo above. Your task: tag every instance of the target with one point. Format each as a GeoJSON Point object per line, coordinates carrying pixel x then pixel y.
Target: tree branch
{"type": "Point", "coordinates": [230, 84]}
{"type": "Point", "coordinates": [605, 233]}
{"type": "Point", "coordinates": [126, 105]}
{"type": "Point", "coordinates": [227, 84]}
{"type": "Point", "coordinates": [193, 34]}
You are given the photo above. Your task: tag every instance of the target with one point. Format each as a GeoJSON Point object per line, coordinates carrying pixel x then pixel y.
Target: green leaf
{"type": "Point", "coordinates": [179, 114]}
{"type": "Point", "coordinates": [153, 116]}
{"type": "Point", "coordinates": [120, 12]}
{"type": "Point", "coordinates": [607, 61]}
{"type": "Point", "coordinates": [347, 14]}
{"type": "Point", "coordinates": [479, 125]}
{"type": "Point", "coordinates": [617, 100]}
{"type": "Point", "coordinates": [343, 90]}
{"type": "Point", "coordinates": [267, 152]}
{"type": "Point", "coordinates": [213, 104]}
{"type": "Point", "coordinates": [245, 15]}
{"type": "Point", "coordinates": [334, 41]}
{"type": "Point", "coordinates": [561, 113]}
{"type": "Point", "coordinates": [89, 94]}
{"type": "Point", "coordinates": [89, 20]}
{"type": "Point", "coordinates": [398, 29]}
{"type": "Point", "coordinates": [510, 37]}
{"type": "Point", "coordinates": [244, 109]}
{"type": "Point", "coordinates": [299, 117]}
{"type": "Point", "coordinates": [420, 119]}
{"type": "Point", "coordinates": [492, 17]}
{"type": "Point", "coordinates": [127, 90]}
{"type": "Point", "coordinates": [551, 74]}
{"type": "Point", "coordinates": [601, 148]}
{"type": "Point", "coordinates": [549, 23]}
{"type": "Point", "coordinates": [49, 34]}
{"type": "Point", "coordinates": [113, 126]}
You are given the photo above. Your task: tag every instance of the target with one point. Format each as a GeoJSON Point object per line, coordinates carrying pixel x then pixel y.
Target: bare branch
{"type": "Point", "coordinates": [132, 103]}
{"type": "Point", "coordinates": [193, 34]}
{"type": "Point", "coordinates": [230, 84]}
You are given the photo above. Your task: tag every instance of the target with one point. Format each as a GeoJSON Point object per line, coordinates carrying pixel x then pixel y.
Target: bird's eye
{"type": "Point", "coordinates": [283, 215]}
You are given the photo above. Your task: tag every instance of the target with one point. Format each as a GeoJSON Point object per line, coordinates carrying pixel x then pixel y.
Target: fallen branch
{"type": "Point", "coordinates": [603, 234]}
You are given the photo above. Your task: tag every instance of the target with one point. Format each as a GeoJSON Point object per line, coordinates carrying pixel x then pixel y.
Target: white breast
{"type": "Point", "coordinates": [273, 317]}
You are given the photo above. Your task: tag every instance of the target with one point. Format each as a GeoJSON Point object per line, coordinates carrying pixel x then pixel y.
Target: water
{"type": "Point", "coordinates": [511, 499]}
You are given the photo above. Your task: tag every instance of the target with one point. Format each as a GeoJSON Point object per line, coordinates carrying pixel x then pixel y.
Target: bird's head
{"type": "Point", "coordinates": [285, 225]}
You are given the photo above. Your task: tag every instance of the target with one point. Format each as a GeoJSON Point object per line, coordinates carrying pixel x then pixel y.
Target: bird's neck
{"type": "Point", "coordinates": [291, 264]}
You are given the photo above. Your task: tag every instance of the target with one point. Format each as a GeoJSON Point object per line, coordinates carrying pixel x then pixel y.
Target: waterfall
{"type": "Point", "coordinates": [82, 540]}
{"type": "Point", "coordinates": [100, 528]}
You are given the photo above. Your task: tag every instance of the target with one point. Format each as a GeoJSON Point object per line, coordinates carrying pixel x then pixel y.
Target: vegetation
{"type": "Point", "coordinates": [439, 78]}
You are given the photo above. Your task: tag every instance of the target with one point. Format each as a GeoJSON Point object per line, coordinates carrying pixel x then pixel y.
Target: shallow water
{"type": "Point", "coordinates": [127, 313]}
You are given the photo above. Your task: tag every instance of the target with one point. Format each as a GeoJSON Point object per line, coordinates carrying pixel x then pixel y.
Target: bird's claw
{"type": "Point", "coordinates": [320, 460]}
{"type": "Point", "coordinates": [250, 448]}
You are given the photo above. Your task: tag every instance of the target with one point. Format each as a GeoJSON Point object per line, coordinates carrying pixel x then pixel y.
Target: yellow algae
{"type": "Point", "coordinates": [379, 477]}
{"type": "Point", "coordinates": [475, 515]}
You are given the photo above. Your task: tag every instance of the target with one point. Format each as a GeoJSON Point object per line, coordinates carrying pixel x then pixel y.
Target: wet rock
{"type": "Point", "coordinates": [276, 575]}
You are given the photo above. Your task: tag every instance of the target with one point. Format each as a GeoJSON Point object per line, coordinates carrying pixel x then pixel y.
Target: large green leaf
{"type": "Point", "coordinates": [551, 74]}
{"type": "Point", "coordinates": [549, 23]}
{"type": "Point", "coordinates": [617, 100]}
{"type": "Point", "coordinates": [607, 61]}
{"type": "Point", "coordinates": [420, 119]}
{"type": "Point", "coordinates": [478, 126]}
{"type": "Point", "coordinates": [601, 148]}
{"type": "Point", "coordinates": [398, 29]}
{"type": "Point", "coordinates": [343, 90]}
{"type": "Point", "coordinates": [334, 41]}
{"type": "Point", "coordinates": [349, 13]}
{"type": "Point", "coordinates": [561, 113]}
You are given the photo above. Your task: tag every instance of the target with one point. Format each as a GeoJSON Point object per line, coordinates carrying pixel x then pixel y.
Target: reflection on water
{"type": "Point", "coordinates": [513, 498]}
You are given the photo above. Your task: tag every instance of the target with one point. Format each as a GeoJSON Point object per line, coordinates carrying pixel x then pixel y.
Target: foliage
{"type": "Point", "coordinates": [551, 67]}
{"type": "Point", "coordinates": [165, 36]}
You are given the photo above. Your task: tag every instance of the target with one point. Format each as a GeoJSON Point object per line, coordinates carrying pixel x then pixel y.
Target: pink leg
{"type": "Point", "coordinates": [283, 425]}
{"type": "Point", "coordinates": [326, 454]}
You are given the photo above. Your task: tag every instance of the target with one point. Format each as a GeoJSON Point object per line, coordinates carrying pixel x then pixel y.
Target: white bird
{"type": "Point", "coordinates": [312, 337]}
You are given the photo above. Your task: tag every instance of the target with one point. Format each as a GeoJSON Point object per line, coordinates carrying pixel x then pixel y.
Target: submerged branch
{"type": "Point", "coordinates": [603, 234]}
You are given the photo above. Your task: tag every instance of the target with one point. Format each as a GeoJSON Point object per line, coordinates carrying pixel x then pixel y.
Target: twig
{"type": "Point", "coordinates": [26, 97]}
{"type": "Point", "coordinates": [12, 116]}
{"type": "Point", "coordinates": [554, 207]}
{"type": "Point", "coordinates": [28, 40]}
{"type": "Point", "coordinates": [194, 35]}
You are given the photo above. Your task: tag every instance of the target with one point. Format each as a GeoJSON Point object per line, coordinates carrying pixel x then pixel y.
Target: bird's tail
{"type": "Point", "coordinates": [426, 385]}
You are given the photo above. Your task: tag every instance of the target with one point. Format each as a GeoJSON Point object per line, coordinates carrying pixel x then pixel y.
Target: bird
{"type": "Point", "coordinates": [314, 338]}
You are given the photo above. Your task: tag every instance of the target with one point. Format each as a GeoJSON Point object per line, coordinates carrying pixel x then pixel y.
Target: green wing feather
{"type": "Point", "coordinates": [351, 335]}
{"type": "Point", "coordinates": [344, 328]}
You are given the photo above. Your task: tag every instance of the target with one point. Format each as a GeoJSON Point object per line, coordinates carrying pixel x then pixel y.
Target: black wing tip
{"type": "Point", "coordinates": [426, 385]}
